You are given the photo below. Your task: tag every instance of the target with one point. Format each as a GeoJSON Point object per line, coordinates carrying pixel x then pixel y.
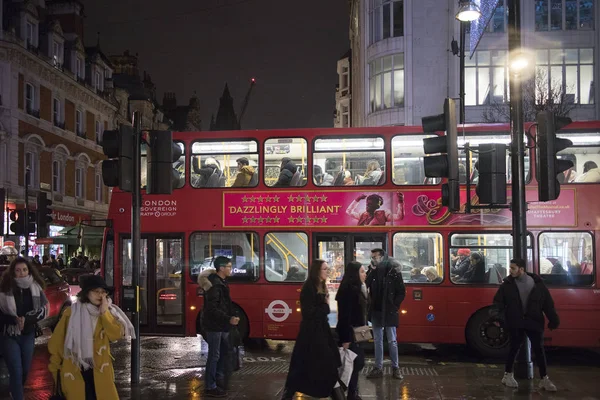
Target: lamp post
{"type": "Point", "coordinates": [26, 225]}
{"type": "Point", "coordinates": [467, 11]}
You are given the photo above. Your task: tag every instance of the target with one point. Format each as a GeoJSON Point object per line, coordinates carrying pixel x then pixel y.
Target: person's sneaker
{"type": "Point", "coordinates": [547, 384]}
{"type": "Point", "coordinates": [396, 374]}
{"type": "Point", "coordinates": [216, 392]}
{"type": "Point", "coordinates": [375, 373]}
{"type": "Point", "coordinates": [509, 380]}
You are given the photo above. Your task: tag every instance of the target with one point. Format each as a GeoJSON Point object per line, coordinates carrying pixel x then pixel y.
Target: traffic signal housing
{"type": "Point", "coordinates": [117, 145]}
{"type": "Point", "coordinates": [445, 163]}
{"type": "Point", "coordinates": [491, 165]}
{"type": "Point", "coordinates": [548, 165]}
{"type": "Point", "coordinates": [162, 153]}
{"type": "Point", "coordinates": [19, 225]}
{"type": "Point", "coordinates": [43, 215]}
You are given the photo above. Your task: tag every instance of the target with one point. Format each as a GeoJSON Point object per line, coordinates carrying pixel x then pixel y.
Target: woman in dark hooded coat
{"type": "Point", "coordinates": [316, 358]}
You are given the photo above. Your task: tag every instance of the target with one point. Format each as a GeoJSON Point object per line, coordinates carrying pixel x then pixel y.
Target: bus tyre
{"type": "Point", "coordinates": [487, 335]}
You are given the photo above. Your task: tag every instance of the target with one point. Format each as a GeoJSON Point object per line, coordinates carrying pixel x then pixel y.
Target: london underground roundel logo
{"type": "Point", "coordinates": [278, 310]}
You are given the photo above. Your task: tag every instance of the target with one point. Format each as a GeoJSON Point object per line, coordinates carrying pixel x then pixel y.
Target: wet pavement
{"type": "Point", "coordinates": [173, 368]}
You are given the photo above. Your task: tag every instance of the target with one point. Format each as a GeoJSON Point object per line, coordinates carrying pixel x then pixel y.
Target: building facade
{"type": "Point", "coordinates": [343, 93]}
{"type": "Point", "coordinates": [56, 100]}
{"type": "Point", "coordinates": [402, 65]}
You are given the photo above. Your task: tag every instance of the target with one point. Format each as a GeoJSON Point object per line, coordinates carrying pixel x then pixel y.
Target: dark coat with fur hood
{"type": "Point", "coordinates": [217, 302]}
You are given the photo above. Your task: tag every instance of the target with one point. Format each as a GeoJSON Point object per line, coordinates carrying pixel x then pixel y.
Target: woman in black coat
{"type": "Point", "coordinates": [352, 313]}
{"type": "Point", "coordinates": [316, 358]}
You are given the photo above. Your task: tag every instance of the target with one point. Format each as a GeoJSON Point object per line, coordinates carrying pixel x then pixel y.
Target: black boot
{"type": "Point", "coordinates": [287, 394]}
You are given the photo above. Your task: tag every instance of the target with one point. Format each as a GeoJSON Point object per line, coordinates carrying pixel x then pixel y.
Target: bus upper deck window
{"type": "Point", "coordinates": [224, 164]}
{"type": "Point", "coordinates": [285, 162]}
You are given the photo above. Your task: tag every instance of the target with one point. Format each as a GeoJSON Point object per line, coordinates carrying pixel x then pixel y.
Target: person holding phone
{"type": "Point", "coordinates": [79, 348]}
{"type": "Point", "coordinates": [217, 319]}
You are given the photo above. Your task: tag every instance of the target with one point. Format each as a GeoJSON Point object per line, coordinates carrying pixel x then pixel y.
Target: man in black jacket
{"type": "Point", "coordinates": [216, 320]}
{"type": "Point", "coordinates": [523, 299]}
{"type": "Point", "coordinates": [386, 293]}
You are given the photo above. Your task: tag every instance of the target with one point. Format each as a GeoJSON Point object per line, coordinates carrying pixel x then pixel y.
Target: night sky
{"type": "Point", "coordinates": [291, 47]}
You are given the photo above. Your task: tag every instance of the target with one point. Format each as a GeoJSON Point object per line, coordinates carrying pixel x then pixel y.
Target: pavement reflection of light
{"type": "Point", "coordinates": [405, 393]}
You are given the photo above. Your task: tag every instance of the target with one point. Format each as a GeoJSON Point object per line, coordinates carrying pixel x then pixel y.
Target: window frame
{"type": "Point", "coordinates": [79, 122]}
{"type": "Point", "coordinates": [491, 66]}
{"type": "Point", "coordinates": [450, 247]}
{"type": "Point", "coordinates": [568, 135]}
{"type": "Point", "coordinates": [563, 17]}
{"type": "Point", "coordinates": [264, 158]}
{"type": "Point", "coordinates": [56, 111]}
{"type": "Point", "coordinates": [264, 260]}
{"type": "Point", "coordinates": [59, 174]}
{"type": "Point", "coordinates": [231, 279]}
{"type": "Point", "coordinates": [34, 167]}
{"type": "Point", "coordinates": [442, 253]}
{"type": "Point", "coordinates": [377, 28]}
{"type": "Point", "coordinates": [425, 136]}
{"type": "Point", "coordinates": [554, 285]}
{"type": "Point", "coordinates": [363, 137]}
{"type": "Point", "coordinates": [98, 189]}
{"type": "Point", "coordinates": [372, 79]}
{"type": "Point", "coordinates": [29, 109]}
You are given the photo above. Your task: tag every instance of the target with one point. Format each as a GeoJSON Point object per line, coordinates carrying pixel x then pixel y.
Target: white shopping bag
{"type": "Point", "coordinates": [345, 370]}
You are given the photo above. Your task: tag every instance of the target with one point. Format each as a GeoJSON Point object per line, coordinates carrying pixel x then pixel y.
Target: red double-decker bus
{"type": "Point", "coordinates": [335, 194]}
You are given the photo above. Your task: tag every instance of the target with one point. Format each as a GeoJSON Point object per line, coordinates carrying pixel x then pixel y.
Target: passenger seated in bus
{"type": "Point", "coordinates": [372, 174]}
{"type": "Point", "coordinates": [295, 275]}
{"type": "Point", "coordinates": [591, 173]}
{"type": "Point", "coordinates": [286, 172]}
{"type": "Point", "coordinates": [322, 178]}
{"type": "Point", "coordinates": [462, 263]}
{"type": "Point", "coordinates": [557, 269]}
{"type": "Point", "coordinates": [244, 174]}
{"type": "Point", "coordinates": [417, 276]}
{"type": "Point", "coordinates": [372, 214]}
{"type": "Point", "coordinates": [348, 181]}
{"type": "Point", "coordinates": [432, 275]}
{"type": "Point", "coordinates": [210, 169]}
{"type": "Point", "coordinates": [476, 271]}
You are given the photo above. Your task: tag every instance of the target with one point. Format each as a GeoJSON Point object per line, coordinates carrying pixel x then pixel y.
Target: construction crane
{"type": "Point", "coordinates": [245, 103]}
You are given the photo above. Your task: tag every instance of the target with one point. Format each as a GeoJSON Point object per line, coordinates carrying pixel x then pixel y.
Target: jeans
{"type": "Point", "coordinates": [390, 332]}
{"type": "Point", "coordinates": [218, 346]}
{"type": "Point", "coordinates": [537, 345]}
{"type": "Point", "coordinates": [359, 363]}
{"type": "Point", "coordinates": [18, 353]}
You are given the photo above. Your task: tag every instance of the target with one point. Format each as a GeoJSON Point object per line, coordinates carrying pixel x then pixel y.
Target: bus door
{"type": "Point", "coordinates": [338, 250]}
{"type": "Point", "coordinates": [161, 283]}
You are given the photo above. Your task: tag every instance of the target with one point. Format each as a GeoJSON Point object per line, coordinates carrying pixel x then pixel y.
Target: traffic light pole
{"type": "Point", "coordinates": [136, 198]}
{"type": "Point", "coordinates": [26, 225]}
{"type": "Point", "coordinates": [523, 366]}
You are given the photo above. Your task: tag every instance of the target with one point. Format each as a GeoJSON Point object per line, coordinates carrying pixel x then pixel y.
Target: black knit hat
{"type": "Point", "coordinates": [91, 282]}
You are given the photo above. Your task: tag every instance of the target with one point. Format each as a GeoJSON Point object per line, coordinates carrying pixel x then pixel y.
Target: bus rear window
{"type": "Point", "coordinates": [240, 247]}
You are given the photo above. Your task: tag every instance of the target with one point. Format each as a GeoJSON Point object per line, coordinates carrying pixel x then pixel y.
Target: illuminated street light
{"type": "Point", "coordinates": [518, 62]}
{"type": "Point", "coordinates": [468, 11]}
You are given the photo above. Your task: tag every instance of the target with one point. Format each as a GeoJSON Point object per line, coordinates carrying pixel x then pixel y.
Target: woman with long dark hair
{"type": "Point", "coordinates": [22, 304]}
{"type": "Point", "coordinates": [352, 313]}
{"type": "Point", "coordinates": [316, 358]}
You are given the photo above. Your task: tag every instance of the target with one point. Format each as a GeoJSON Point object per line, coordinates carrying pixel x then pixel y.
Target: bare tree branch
{"type": "Point", "coordinates": [538, 95]}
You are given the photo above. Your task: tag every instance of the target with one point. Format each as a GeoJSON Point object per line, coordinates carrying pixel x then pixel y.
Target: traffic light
{"type": "Point", "coordinates": [162, 153]}
{"type": "Point", "coordinates": [445, 164]}
{"type": "Point", "coordinates": [548, 165]}
{"type": "Point", "coordinates": [18, 226]}
{"type": "Point", "coordinates": [2, 207]}
{"type": "Point", "coordinates": [44, 214]}
{"type": "Point", "coordinates": [491, 165]}
{"type": "Point", "coordinates": [118, 147]}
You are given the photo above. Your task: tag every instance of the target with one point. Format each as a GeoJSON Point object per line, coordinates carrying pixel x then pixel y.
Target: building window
{"type": "Point", "coordinates": [498, 21]}
{"type": "Point", "coordinates": [345, 78]}
{"type": "Point", "coordinates": [30, 34]}
{"type": "Point", "coordinates": [56, 111]}
{"type": "Point", "coordinates": [98, 81]}
{"type": "Point", "coordinates": [486, 78]}
{"type": "Point", "coordinates": [98, 190]}
{"type": "Point", "coordinates": [79, 122]}
{"type": "Point", "coordinates": [386, 18]}
{"type": "Point", "coordinates": [58, 177]}
{"type": "Point", "coordinates": [57, 53]}
{"type": "Point", "coordinates": [29, 98]}
{"type": "Point", "coordinates": [565, 75]}
{"type": "Point", "coordinates": [79, 182]}
{"type": "Point", "coordinates": [556, 15]}
{"type": "Point", "coordinates": [31, 163]}
{"type": "Point", "coordinates": [345, 116]}
{"type": "Point", "coordinates": [79, 67]}
{"type": "Point", "coordinates": [98, 132]}
{"type": "Point", "coordinates": [386, 82]}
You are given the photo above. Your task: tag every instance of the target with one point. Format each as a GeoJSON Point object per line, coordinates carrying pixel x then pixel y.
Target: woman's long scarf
{"type": "Point", "coordinates": [79, 341]}
{"type": "Point", "coordinates": [8, 305]}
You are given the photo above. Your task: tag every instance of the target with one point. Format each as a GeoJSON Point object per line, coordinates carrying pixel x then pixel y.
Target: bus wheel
{"type": "Point", "coordinates": [487, 335]}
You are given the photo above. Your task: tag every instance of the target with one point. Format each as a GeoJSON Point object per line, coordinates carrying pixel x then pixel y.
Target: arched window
{"type": "Point", "coordinates": [59, 161]}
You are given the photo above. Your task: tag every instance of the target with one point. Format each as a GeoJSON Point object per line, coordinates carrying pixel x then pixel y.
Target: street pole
{"type": "Point", "coordinates": [135, 248]}
{"type": "Point", "coordinates": [27, 177]}
{"type": "Point", "coordinates": [523, 365]}
{"type": "Point", "coordinates": [461, 45]}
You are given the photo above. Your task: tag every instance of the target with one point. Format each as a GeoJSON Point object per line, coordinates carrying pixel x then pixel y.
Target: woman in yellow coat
{"type": "Point", "coordinates": [80, 345]}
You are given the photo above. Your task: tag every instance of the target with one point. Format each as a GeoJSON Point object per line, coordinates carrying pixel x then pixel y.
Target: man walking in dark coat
{"type": "Point", "coordinates": [523, 299]}
{"type": "Point", "coordinates": [386, 293]}
{"type": "Point", "coordinates": [217, 318]}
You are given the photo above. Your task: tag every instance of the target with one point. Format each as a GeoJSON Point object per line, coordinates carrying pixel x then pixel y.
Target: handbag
{"type": "Point", "coordinates": [38, 331]}
{"type": "Point", "coordinates": [362, 334]}
{"type": "Point", "coordinates": [58, 395]}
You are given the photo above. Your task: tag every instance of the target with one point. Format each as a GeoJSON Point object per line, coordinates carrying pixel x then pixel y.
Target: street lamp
{"type": "Point", "coordinates": [518, 62]}
{"type": "Point", "coordinates": [468, 11]}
